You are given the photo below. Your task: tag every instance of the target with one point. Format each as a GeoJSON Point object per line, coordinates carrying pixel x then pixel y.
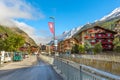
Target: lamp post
{"type": "Point", "coordinates": [55, 40]}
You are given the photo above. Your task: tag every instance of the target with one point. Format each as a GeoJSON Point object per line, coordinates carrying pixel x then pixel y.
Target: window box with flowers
{"type": "Point", "coordinates": [86, 37]}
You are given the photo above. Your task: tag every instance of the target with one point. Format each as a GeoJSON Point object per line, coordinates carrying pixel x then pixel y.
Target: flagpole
{"type": "Point", "coordinates": [54, 33]}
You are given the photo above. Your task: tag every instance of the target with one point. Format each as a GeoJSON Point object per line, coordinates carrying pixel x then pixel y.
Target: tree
{"type": "Point", "coordinates": [12, 43]}
{"type": "Point", "coordinates": [116, 43]}
{"type": "Point", "coordinates": [19, 41]}
{"type": "Point", "coordinates": [88, 47]}
{"type": "Point", "coordinates": [2, 44]}
{"type": "Point", "coordinates": [97, 48]}
{"type": "Point", "coordinates": [81, 49]}
{"type": "Point", "coordinates": [75, 49]}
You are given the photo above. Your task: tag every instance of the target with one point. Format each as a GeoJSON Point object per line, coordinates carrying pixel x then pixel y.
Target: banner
{"type": "Point", "coordinates": [51, 26]}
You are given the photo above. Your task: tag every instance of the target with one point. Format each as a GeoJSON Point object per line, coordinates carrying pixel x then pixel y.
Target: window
{"type": "Point", "coordinates": [109, 40]}
{"type": "Point", "coordinates": [92, 40]}
{"type": "Point", "coordinates": [99, 35]}
{"type": "Point", "coordinates": [109, 46]}
{"type": "Point", "coordinates": [109, 34]}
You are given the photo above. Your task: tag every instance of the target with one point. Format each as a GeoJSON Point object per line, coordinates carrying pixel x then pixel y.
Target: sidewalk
{"type": "Point", "coordinates": [21, 64]}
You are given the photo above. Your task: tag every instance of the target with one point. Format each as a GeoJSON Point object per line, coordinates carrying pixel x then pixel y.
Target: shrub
{"type": "Point", "coordinates": [75, 49]}
{"type": "Point", "coordinates": [88, 47]}
{"type": "Point", "coordinates": [116, 43]}
{"type": "Point", "coordinates": [97, 48]}
{"type": "Point", "coordinates": [81, 49]}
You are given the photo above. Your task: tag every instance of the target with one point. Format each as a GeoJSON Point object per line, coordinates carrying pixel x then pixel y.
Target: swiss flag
{"type": "Point", "coordinates": [51, 26]}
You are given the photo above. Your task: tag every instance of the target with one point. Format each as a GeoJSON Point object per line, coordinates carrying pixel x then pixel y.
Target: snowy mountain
{"type": "Point", "coordinates": [69, 34]}
{"type": "Point", "coordinates": [115, 13]}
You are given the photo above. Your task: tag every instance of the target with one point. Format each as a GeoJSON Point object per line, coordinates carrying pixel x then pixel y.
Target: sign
{"type": "Point", "coordinates": [55, 42]}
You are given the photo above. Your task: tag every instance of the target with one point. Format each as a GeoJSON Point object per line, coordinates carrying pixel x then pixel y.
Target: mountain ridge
{"type": "Point", "coordinates": [107, 22]}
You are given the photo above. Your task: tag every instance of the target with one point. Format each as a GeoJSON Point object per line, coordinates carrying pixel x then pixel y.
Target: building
{"type": "Point", "coordinates": [25, 47]}
{"type": "Point", "coordinates": [34, 49]}
{"type": "Point", "coordinates": [66, 45]}
{"type": "Point", "coordinates": [96, 34]}
{"type": "Point", "coordinates": [117, 28]}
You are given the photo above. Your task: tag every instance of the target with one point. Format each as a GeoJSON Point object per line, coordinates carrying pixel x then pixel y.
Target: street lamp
{"type": "Point", "coordinates": [55, 40]}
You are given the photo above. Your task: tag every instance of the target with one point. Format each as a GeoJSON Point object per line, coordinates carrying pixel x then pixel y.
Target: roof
{"type": "Point", "coordinates": [106, 29]}
{"type": "Point", "coordinates": [89, 27]}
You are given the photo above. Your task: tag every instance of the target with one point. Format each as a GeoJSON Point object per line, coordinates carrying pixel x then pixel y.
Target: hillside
{"type": "Point", "coordinates": [13, 31]}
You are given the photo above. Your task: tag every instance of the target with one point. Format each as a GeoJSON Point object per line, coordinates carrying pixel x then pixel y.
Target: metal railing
{"type": "Point", "coordinates": [0, 61]}
{"type": "Point", "coordinates": [74, 71]}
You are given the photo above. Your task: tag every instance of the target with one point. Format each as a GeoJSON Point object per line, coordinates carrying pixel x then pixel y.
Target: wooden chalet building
{"type": "Point", "coordinates": [97, 34]}
{"type": "Point", "coordinates": [34, 49]}
{"type": "Point", "coordinates": [25, 47]}
{"type": "Point", "coordinates": [51, 47]}
{"type": "Point", "coordinates": [66, 45]}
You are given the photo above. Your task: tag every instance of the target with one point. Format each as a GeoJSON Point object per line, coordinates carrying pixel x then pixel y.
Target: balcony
{"type": "Point", "coordinates": [105, 42]}
{"type": "Point", "coordinates": [104, 36]}
{"type": "Point", "coordinates": [86, 37]}
{"type": "Point", "coordinates": [92, 37]}
{"type": "Point", "coordinates": [91, 31]}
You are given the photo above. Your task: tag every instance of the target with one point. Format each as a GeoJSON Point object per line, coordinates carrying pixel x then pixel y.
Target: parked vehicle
{"type": "Point", "coordinates": [17, 56]}
{"type": "Point", "coordinates": [5, 57]}
{"type": "Point", "coordinates": [25, 55]}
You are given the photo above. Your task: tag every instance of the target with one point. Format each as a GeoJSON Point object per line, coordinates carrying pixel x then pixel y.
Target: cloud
{"type": "Point", "coordinates": [17, 9]}
{"type": "Point", "coordinates": [33, 33]}
{"type": "Point", "coordinates": [11, 10]}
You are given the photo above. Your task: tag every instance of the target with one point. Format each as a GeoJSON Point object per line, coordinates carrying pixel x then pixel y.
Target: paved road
{"type": "Point", "coordinates": [41, 71]}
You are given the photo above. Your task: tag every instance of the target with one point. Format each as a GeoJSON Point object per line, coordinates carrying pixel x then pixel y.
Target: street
{"type": "Point", "coordinates": [41, 71]}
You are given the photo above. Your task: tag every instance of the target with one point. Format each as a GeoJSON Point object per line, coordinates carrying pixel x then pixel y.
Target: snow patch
{"type": "Point", "coordinates": [114, 13]}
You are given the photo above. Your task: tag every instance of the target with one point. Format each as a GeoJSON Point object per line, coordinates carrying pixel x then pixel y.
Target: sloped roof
{"type": "Point", "coordinates": [88, 27]}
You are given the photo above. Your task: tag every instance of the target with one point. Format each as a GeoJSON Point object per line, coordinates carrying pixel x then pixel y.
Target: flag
{"type": "Point", "coordinates": [51, 26]}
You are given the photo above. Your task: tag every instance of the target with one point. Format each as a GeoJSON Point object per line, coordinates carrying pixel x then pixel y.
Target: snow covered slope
{"type": "Point", "coordinates": [115, 13]}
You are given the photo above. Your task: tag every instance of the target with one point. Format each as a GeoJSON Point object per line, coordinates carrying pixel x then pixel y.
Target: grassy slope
{"type": "Point", "coordinates": [13, 31]}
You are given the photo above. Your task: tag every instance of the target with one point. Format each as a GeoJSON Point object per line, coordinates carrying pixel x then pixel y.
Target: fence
{"type": "Point", "coordinates": [0, 60]}
{"type": "Point", "coordinates": [110, 63]}
{"type": "Point", "coordinates": [74, 71]}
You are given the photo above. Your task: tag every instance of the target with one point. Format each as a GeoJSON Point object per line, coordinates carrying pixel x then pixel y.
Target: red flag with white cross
{"type": "Point", "coordinates": [51, 26]}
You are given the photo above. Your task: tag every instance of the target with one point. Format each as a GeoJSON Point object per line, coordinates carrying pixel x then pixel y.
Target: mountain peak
{"type": "Point", "coordinates": [113, 14]}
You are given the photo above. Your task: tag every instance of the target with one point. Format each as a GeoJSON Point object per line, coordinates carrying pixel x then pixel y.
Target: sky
{"type": "Point", "coordinates": [32, 16]}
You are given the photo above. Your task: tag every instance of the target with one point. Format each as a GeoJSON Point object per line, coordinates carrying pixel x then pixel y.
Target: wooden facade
{"type": "Point", "coordinates": [66, 45]}
{"type": "Point", "coordinates": [93, 35]}
{"type": "Point", "coordinates": [97, 34]}
{"type": "Point", "coordinates": [34, 49]}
